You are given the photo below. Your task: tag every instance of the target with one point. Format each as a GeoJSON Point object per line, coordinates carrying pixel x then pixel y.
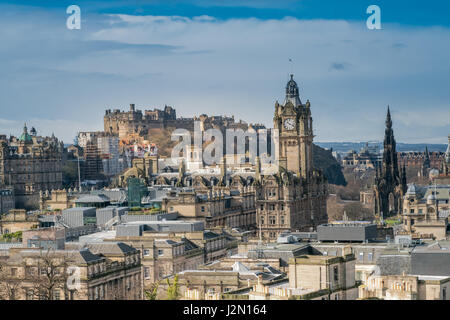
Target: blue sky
{"type": "Point", "coordinates": [228, 57]}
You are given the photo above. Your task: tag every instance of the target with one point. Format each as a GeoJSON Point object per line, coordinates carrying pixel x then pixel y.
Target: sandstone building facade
{"type": "Point", "coordinates": [289, 197]}
{"type": "Point", "coordinates": [109, 271]}
{"type": "Point", "coordinates": [295, 197]}
{"type": "Point", "coordinates": [30, 164]}
{"type": "Point", "coordinates": [135, 122]}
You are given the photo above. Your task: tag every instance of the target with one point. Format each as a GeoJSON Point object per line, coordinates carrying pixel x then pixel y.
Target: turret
{"type": "Point", "coordinates": [292, 93]}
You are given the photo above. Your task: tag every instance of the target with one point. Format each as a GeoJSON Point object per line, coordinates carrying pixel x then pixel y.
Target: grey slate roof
{"type": "Point", "coordinates": [100, 198]}
{"type": "Point", "coordinates": [109, 248]}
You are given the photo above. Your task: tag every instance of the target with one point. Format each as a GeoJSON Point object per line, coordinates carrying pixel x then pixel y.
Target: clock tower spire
{"type": "Point", "coordinates": [294, 122]}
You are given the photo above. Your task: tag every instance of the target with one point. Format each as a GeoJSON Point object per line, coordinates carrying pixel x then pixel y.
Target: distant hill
{"type": "Point", "coordinates": [324, 160]}
{"type": "Point", "coordinates": [344, 147]}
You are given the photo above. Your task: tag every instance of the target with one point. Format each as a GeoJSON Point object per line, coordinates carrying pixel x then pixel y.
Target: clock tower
{"type": "Point", "coordinates": [294, 122]}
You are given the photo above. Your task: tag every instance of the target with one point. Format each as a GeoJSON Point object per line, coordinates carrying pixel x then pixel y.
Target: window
{"type": "Point", "coordinates": [444, 293]}
{"type": "Point", "coordinates": [282, 220]}
{"type": "Point", "coordinates": [262, 220]}
{"type": "Point", "coordinates": [282, 207]}
{"type": "Point", "coordinates": [13, 272]}
{"type": "Point", "coordinates": [42, 296]}
{"type": "Point", "coordinates": [29, 294]}
{"type": "Point", "coordinates": [411, 210]}
{"type": "Point", "coordinates": [56, 295]}
{"type": "Point", "coordinates": [272, 220]}
{"type": "Point", "coordinates": [128, 284]}
{"type": "Point", "coordinates": [203, 208]}
{"type": "Point", "coordinates": [146, 272]}
{"type": "Point", "coordinates": [361, 256]}
{"type": "Point", "coordinates": [29, 271]}
{"type": "Point", "coordinates": [160, 252]}
{"type": "Point", "coordinates": [370, 256]}
{"type": "Point", "coordinates": [146, 252]}
{"type": "Point", "coordinates": [336, 273]}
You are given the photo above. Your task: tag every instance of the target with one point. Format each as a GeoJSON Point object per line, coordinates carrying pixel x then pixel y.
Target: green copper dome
{"type": "Point", "coordinates": [25, 137]}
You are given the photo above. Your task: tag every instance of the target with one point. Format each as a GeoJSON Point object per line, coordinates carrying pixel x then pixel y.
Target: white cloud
{"type": "Point", "coordinates": [235, 66]}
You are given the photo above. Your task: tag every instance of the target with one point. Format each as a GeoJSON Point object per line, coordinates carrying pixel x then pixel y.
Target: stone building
{"type": "Point", "coordinates": [102, 157]}
{"type": "Point", "coordinates": [445, 168]}
{"type": "Point", "coordinates": [390, 182]}
{"type": "Point", "coordinates": [317, 273]}
{"type": "Point", "coordinates": [361, 161]}
{"type": "Point", "coordinates": [7, 201]}
{"type": "Point", "coordinates": [17, 220]}
{"type": "Point", "coordinates": [420, 160]}
{"type": "Point", "coordinates": [291, 197]}
{"type": "Point", "coordinates": [109, 271]}
{"type": "Point", "coordinates": [215, 281]}
{"type": "Point", "coordinates": [163, 254]}
{"type": "Point", "coordinates": [169, 247]}
{"type": "Point", "coordinates": [57, 199]}
{"type": "Point", "coordinates": [406, 287]}
{"type": "Point", "coordinates": [30, 164]}
{"type": "Point", "coordinates": [295, 197]}
{"type": "Point", "coordinates": [135, 122]}
{"type": "Point", "coordinates": [426, 210]}
{"type": "Point", "coordinates": [227, 208]}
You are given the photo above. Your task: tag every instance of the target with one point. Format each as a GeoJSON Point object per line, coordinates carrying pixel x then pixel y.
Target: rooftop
{"type": "Point", "coordinates": [97, 198]}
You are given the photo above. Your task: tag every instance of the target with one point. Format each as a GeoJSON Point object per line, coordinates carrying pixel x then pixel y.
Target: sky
{"type": "Point", "coordinates": [228, 58]}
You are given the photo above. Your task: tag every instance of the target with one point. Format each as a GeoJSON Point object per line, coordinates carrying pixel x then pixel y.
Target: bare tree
{"type": "Point", "coordinates": [10, 282]}
{"type": "Point", "coordinates": [52, 274]}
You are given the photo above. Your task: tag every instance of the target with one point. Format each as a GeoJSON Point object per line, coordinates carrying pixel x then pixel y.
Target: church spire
{"type": "Point", "coordinates": [388, 119]}
{"type": "Point", "coordinates": [390, 176]}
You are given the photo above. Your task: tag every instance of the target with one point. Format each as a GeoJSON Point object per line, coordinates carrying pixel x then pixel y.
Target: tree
{"type": "Point", "coordinates": [52, 275]}
{"type": "Point", "coordinates": [152, 293]}
{"type": "Point", "coordinates": [173, 290]}
{"type": "Point", "coordinates": [9, 283]}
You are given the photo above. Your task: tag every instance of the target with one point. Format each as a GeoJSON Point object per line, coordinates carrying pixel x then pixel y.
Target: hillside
{"type": "Point", "coordinates": [324, 160]}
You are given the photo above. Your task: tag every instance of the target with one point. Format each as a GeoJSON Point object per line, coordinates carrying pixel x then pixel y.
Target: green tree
{"type": "Point", "coordinates": [173, 290]}
{"type": "Point", "coordinates": [152, 293]}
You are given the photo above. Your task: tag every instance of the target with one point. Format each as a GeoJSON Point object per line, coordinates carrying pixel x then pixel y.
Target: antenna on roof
{"type": "Point", "coordinates": [291, 63]}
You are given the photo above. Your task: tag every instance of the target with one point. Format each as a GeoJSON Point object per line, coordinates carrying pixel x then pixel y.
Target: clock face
{"type": "Point", "coordinates": [289, 124]}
